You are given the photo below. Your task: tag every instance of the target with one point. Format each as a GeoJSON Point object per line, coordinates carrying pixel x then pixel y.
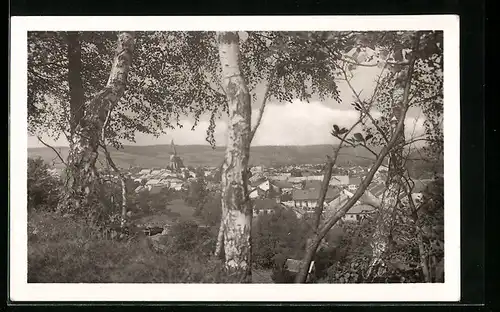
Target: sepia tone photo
{"type": "Point", "coordinates": [241, 157]}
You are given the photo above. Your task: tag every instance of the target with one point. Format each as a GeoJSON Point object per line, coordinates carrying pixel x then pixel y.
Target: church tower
{"type": "Point", "coordinates": [175, 161]}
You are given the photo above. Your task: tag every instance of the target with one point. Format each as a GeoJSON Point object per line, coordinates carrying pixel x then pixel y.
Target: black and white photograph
{"type": "Point", "coordinates": [156, 157]}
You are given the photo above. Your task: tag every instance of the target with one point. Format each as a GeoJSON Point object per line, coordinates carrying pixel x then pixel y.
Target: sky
{"type": "Point", "coordinates": [295, 123]}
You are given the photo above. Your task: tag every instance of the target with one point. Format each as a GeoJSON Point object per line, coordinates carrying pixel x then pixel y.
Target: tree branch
{"type": "Point", "coordinates": [311, 248]}
{"type": "Point", "coordinates": [53, 149]}
{"type": "Point", "coordinates": [263, 105]}
{"type": "Point", "coordinates": [362, 105]}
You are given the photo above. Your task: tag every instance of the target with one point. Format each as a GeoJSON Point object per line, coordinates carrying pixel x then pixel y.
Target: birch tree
{"type": "Point", "coordinates": [238, 218]}
{"type": "Point", "coordinates": [387, 131]}
{"type": "Point", "coordinates": [66, 98]}
{"type": "Point", "coordinates": [288, 67]}
{"type": "Point", "coordinates": [86, 118]}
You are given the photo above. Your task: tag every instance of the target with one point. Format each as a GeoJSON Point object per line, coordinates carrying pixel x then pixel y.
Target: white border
{"type": "Point", "coordinates": [20, 290]}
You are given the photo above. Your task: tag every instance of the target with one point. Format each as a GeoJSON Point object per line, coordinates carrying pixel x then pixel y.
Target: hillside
{"type": "Point", "coordinates": [201, 155]}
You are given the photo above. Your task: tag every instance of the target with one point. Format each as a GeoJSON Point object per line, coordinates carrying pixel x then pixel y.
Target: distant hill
{"type": "Point", "coordinates": [202, 155]}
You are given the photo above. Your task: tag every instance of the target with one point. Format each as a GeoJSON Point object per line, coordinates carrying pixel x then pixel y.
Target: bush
{"type": "Point", "coordinates": [184, 235]}
{"type": "Point", "coordinates": [278, 233]}
{"type": "Point", "coordinates": [212, 210]}
{"type": "Point", "coordinates": [43, 188]}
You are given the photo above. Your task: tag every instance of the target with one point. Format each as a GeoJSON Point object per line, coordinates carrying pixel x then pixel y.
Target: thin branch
{"type": "Point", "coordinates": [263, 105]}
{"type": "Point", "coordinates": [53, 149]}
{"type": "Point", "coordinates": [311, 249]}
{"type": "Point", "coordinates": [365, 110]}
{"type": "Point", "coordinates": [417, 140]}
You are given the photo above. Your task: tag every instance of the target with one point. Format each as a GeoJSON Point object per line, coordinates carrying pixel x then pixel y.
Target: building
{"type": "Point", "coordinates": [280, 176]}
{"type": "Point", "coordinates": [144, 172]}
{"type": "Point", "coordinates": [363, 207]}
{"type": "Point", "coordinates": [284, 186]}
{"type": "Point", "coordinates": [308, 185]}
{"type": "Point", "coordinates": [174, 183]}
{"type": "Point", "coordinates": [265, 206]}
{"type": "Point", "coordinates": [358, 212]}
{"type": "Point", "coordinates": [354, 182]}
{"type": "Point", "coordinates": [261, 188]}
{"type": "Point", "coordinates": [175, 161]}
{"type": "Point", "coordinates": [256, 169]}
{"type": "Point", "coordinates": [339, 180]}
{"type": "Point", "coordinates": [308, 199]}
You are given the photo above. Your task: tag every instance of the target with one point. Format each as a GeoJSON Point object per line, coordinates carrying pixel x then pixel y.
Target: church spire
{"type": "Point", "coordinates": [173, 146]}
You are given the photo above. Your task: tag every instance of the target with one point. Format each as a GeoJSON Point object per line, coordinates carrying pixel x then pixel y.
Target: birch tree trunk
{"type": "Point", "coordinates": [237, 219]}
{"type": "Point", "coordinates": [219, 246]}
{"type": "Point", "coordinates": [123, 183]}
{"type": "Point", "coordinates": [81, 174]}
{"type": "Point", "coordinates": [382, 240]}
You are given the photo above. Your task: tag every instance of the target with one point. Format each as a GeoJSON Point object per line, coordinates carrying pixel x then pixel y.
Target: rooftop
{"type": "Point", "coordinates": [355, 180]}
{"type": "Point", "coordinates": [265, 204]}
{"type": "Point", "coordinates": [361, 209]}
{"type": "Point", "coordinates": [313, 194]}
{"type": "Point", "coordinates": [282, 184]}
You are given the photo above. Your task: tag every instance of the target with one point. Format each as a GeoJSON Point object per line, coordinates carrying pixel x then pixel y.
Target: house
{"type": "Point", "coordinates": [296, 180]}
{"type": "Point", "coordinates": [174, 183]}
{"type": "Point", "coordinates": [156, 172]}
{"type": "Point", "coordinates": [152, 182]}
{"type": "Point", "coordinates": [314, 177]}
{"type": "Point", "coordinates": [265, 206]}
{"type": "Point", "coordinates": [256, 169]}
{"type": "Point", "coordinates": [167, 174]}
{"type": "Point", "coordinates": [363, 207]}
{"type": "Point", "coordinates": [283, 186]}
{"type": "Point", "coordinates": [261, 188]}
{"type": "Point", "coordinates": [339, 180]}
{"type": "Point", "coordinates": [308, 185]}
{"type": "Point", "coordinates": [280, 176]}
{"type": "Point", "coordinates": [308, 199]}
{"type": "Point", "coordinates": [255, 178]}
{"type": "Point", "coordinates": [354, 182]}
{"type": "Point", "coordinates": [358, 212]}
{"type": "Point", "coordinates": [144, 171]}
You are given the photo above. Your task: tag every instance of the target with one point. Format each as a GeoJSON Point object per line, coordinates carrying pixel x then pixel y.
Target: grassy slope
{"type": "Point", "coordinates": [61, 250]}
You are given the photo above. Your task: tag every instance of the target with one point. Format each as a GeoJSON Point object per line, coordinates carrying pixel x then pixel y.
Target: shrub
{"type": "Point", "coordinates": [278, 233]}
{"type": "Point", "coordinates": [212, 210]}
{"type": "Point", "coordinates": [43, 188]}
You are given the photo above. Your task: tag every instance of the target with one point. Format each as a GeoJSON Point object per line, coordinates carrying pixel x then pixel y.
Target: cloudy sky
{"type": "Point", "coordinates": [296, 123]}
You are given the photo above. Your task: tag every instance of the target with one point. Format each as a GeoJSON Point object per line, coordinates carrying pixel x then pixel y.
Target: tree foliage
{"type": "Point", "coordinates": [43, 188]}
{"type": "Point", "coordinates": [277, 233]}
